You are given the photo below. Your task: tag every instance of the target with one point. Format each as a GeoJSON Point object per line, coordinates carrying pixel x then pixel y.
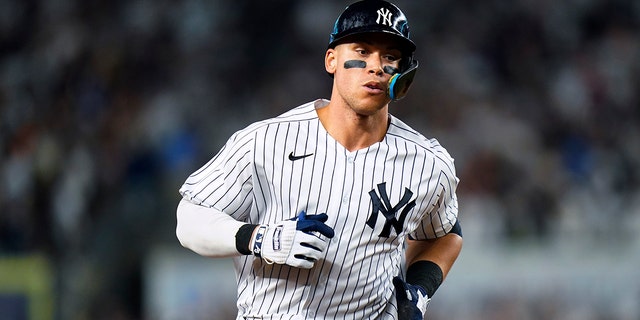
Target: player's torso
{"type": "Point", "coordinates": [373, 198]}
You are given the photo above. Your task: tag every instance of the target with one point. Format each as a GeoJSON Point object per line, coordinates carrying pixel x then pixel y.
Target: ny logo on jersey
{"type": "Point", "coordinates": [388, 211]}
{"type": "Point", "coordinates": [385, 15]}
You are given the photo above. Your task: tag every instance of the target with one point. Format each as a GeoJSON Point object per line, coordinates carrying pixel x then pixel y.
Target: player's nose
{"type": "Point", "coordinates": [374, 65]}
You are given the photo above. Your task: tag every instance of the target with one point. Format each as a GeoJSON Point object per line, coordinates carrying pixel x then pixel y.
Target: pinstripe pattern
{"type": "Point", "coordinates": [253, 180]}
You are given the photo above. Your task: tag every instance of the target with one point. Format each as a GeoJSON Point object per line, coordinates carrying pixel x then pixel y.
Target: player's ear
{"type": "Point", "coordinates": [330, 61]}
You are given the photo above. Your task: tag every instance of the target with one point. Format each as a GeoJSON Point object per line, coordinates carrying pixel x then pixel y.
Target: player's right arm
{"type": "Point", "coordinates": [217, 199]}
{"type": "Point", "coordinates": [223, 182]}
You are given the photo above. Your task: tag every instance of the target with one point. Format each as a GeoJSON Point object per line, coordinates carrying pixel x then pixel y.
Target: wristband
{"type": "Point", "coordinates": [426, 274]}
{"type": "Point", "coordinates": [243, 238]}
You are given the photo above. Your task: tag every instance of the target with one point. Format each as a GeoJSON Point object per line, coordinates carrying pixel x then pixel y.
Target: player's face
{"type": "Point", "coordinates": [362, 69]}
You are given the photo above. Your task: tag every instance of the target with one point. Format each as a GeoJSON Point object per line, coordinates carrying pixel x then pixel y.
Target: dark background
{"type": "Point", "coordinates": [107, 106]}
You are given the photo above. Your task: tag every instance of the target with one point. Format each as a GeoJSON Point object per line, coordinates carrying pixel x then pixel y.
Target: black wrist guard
{"type": "Point", "coordinates": [426, 274]}
{"type": "Point", "coordinates": [243, 238]}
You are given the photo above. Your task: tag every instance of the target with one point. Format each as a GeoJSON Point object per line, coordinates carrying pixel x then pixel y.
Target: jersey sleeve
{"type": "Point", "coordinates": [439, 220]}
{"type": "Point", "coordinates": [225, 183]}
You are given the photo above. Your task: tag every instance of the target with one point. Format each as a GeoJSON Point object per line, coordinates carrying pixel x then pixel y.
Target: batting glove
{"type": "Point", "coordinates": [412, 300]}
{"type": "Point", "coordinates": [294, 242]}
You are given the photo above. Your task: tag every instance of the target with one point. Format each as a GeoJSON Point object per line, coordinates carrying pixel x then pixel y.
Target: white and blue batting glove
{"type": "Point", "coordinates": [412, 300]}
{"type": "Point", "coordinates": [296, 242]}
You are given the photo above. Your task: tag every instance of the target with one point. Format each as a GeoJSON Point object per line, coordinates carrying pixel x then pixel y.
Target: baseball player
{"type": "Point", "coordinates": [335, 209]}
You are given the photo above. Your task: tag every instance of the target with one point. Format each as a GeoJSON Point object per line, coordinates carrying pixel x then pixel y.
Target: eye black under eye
{"type": "Point", "coordinates": [390, 70]}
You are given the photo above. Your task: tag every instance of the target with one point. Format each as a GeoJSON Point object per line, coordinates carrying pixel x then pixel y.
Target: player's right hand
{"type": "Point", "coordinates": [296, 242]}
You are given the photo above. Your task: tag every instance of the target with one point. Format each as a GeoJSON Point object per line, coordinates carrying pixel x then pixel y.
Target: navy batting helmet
{"type": "Point", "coordinates": [372, 16]}
{"type": "Point", "coordinates": [378, 16]}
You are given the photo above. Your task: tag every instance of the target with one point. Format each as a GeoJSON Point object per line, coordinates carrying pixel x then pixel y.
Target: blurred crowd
{"type": "Point", "coordinates": [107, 106]}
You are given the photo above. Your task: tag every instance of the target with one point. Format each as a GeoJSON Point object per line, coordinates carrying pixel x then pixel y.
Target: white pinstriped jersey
{"type": "Point", "coordinates": [374, 197]}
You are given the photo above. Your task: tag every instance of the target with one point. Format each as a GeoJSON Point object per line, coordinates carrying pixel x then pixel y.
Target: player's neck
{"type": "Point", "coordinates": [354, 131]}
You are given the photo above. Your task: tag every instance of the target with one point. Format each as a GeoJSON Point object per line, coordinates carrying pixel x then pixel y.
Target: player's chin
{"type": "Point", "coordinates": [374, 102]}
{"type": "Point", "coordinates": [367, 104]}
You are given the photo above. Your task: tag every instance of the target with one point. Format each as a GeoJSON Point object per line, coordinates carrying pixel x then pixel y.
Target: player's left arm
{"type": "Point", "coordinates": [433, 248]}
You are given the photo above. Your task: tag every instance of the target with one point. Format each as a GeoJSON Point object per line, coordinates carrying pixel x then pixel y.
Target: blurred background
{"type": "Point", "coordinates": [107, 106]}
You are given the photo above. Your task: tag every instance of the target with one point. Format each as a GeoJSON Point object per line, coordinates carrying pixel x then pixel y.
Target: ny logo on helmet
{"type": "Point", "coordinates": [385, 15]}
{"type": "Point", "coordinates": [388, 211]}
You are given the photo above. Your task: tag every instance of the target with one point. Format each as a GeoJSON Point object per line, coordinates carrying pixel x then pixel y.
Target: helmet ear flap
{"type": "Point", "coordinates": [400, 82]}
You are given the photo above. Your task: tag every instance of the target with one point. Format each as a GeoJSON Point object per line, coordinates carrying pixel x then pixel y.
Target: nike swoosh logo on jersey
{"type": "Point", "coordinates": [294, 158]}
